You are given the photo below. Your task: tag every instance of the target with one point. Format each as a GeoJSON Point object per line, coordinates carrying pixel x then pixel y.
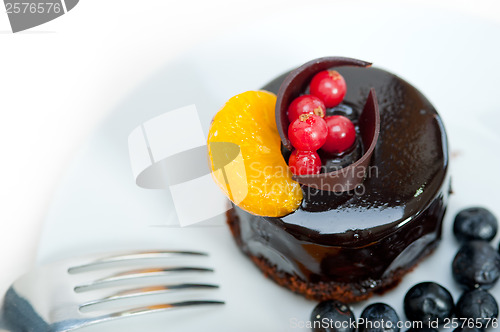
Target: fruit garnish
{"type": "Point", "coordinates": [306, 104]}
{"type": "Point", "coordinates": [294, 83]}
{"type": "Point", "coordinates": [308, 132]}
{"type": "Point", "coordinates": [304, 162]}
{"type": "Point", "coordinates": [260, 181]}
{"type": "Point", "coordinates": [332, 311]}
{"type": "Point", "coordinates": [329, 86]}
{"type": "Point", "coordinates": [479, 307]}
{"type": "Point", "coordinates": [427, 302]}
{"type": "Point", "coordinates": [368, 121]}
{"type": "Point", "coordinates": [379, 317]}
{"type": "Point", "coordinates": [477, 264]}
{"type": "Point", "coordinates": [341, 134]}
{"type": "Point", "coordinates": [475, 223]}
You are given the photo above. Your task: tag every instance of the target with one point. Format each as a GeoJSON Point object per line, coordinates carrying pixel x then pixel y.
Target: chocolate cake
{"type": "Point", "coordinates": [349, 245]}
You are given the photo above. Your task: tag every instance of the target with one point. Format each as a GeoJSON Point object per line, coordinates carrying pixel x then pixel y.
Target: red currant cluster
{"type": "Point", "coordinates": [310, 130]}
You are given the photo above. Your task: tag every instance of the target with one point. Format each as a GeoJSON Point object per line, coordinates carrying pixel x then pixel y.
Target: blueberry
{"type": "Point", "coordinates": [476, 305]}
{"type": "Point", "coordinates": [343, 109]}
{"type": "Point", "coordinates": [475, 224]}
{"type": "Point", "coordinates": [333, 316]}
{"type": "Point", "coordinates": [477, 264]}
{"type": "Point", "coordinates": [334, 164]}
{"type": "Point", "coordinates": [379, 317]}
{"type": "Point", "coordinates": [428, 302]}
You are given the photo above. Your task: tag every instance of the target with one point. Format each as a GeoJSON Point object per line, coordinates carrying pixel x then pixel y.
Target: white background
{"type": "Point", "coordinates": [59, 80]}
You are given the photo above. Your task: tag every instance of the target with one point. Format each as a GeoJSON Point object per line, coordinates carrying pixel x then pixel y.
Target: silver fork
{"type": "Point", "coordinates": [57, 297]}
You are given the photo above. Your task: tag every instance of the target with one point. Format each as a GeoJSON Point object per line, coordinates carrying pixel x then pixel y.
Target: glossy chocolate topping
{"type": "Point", "coordinates": [408, 166]}
{"type": "Point", "coordinates": [364, 236]}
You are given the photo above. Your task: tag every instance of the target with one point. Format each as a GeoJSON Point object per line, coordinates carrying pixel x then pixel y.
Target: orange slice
{"type": "Point", "coordinates": [244, 149]}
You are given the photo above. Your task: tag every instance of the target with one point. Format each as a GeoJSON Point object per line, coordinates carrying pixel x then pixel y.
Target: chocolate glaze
{"type": "Point", "coordinates": [361, 242]}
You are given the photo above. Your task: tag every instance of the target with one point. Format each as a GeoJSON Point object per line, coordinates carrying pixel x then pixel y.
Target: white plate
{"type": "Point", "coordinates": [450, 58]}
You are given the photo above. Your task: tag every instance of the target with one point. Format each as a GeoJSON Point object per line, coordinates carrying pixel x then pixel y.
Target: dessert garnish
{"type": "Point", "coordinates": [306, 104]}
{"type": "Point", "coordinates": [477, 264]}
{"type": "Point", "coordinates": [341, 134]}
{"type": "Point", "coordinates": [478, 308]}
{"type": "Point", "coordinates": [333, 310]}
{"type": "Point", "coordinates": [475, 223]}
{"type": "Point", "coordinates": [329, 86]}
{"type": "Point", "coordinates": [308, 132]}
{"type": "Point", "coordinates": [428, 302]}
{"type": "Point", "coordinates": [379, 317]}
{"type": "Point", "coordinates": [263, 184]}
{"type": "Point", "coordinates": [304, 162]}
{"type": "Point", "coordinates": [259, 181]}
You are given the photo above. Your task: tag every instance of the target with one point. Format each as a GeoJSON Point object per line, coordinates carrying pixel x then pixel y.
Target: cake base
{"type": "Point", "coordinates": [321, 291]}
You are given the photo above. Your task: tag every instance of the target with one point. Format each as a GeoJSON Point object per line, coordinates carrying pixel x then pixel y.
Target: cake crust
{"type": "Point", "coordinates": [331, 290]}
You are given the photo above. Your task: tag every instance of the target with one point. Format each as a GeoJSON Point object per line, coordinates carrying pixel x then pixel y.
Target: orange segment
{"type": "Point", "coordinates": [244, 148]}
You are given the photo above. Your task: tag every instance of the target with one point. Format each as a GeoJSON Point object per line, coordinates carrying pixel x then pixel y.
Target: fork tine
{"type": "Point", "coordinates": [163, 307]}
{"type": "Point", "coordinates": [144, 291]}
{"type": "Point", "coordinates": [140, 255]}
{"type": "Point", "coordinates": [136, 275]}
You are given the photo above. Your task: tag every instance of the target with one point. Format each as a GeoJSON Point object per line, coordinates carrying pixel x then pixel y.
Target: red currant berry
{"type": "Point", "coordinates": [308, 132]}
{"type": "Point", "coordinates": [306, 104]}
{"type": "Point", "coordinates": [329, 86]}
{"type": "Point", "coordinates": [304, 162]}
{"type": "Point", "coordinates": [341, 134]}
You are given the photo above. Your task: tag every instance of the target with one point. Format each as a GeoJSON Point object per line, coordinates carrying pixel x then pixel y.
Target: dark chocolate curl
{"type": "Point", "coordinates": [353, 175]}
{"type": "Point", "coordinates": [296, 82]}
